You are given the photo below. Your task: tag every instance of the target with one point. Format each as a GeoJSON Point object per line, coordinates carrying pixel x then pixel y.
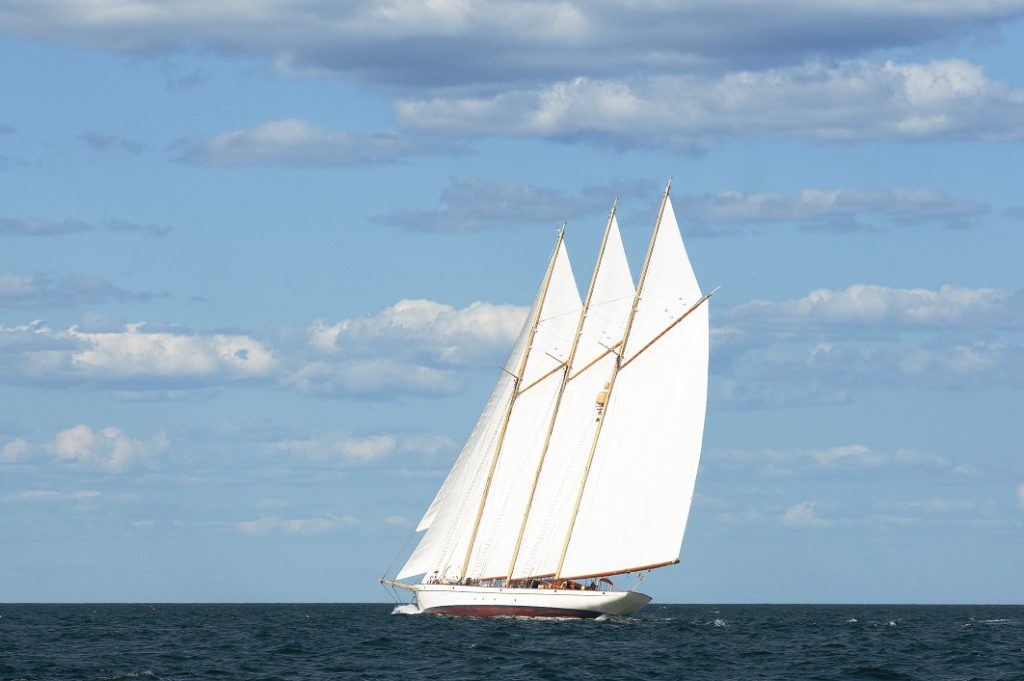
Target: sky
{"type": "Point", "coordinates": [259, 263]}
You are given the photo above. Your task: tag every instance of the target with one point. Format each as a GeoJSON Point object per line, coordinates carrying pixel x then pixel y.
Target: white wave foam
{"type": "Point", "coordinates": [406, 609]}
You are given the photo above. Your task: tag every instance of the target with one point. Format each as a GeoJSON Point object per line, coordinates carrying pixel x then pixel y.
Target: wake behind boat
{"type": "Point", "coordinates": [583, 462]}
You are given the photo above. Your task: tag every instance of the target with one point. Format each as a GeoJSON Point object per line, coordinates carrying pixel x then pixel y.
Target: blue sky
{"type": "Point", "coordinates": [259, 262]}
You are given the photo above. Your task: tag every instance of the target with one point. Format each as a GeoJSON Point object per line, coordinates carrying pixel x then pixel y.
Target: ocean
{"type": "Point", "coordinates": [371, 641]}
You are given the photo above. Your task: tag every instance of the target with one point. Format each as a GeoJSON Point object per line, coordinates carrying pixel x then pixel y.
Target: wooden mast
{"type": "Point", "coordinates": [512, 400]}
{"type": "Point", "coordinates": [566, 366]}
{"type": "Point", "coordinates": [611, 381]}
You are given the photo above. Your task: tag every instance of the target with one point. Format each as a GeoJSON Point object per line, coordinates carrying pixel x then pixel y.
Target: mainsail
{"type": "Point", "coordinates": [483, 485]}
{"type": "Point", "coordinates": [584, 460]}
{"type": "Point", "coordinates": [638, 492]}
{"type": "Point", "coordinates": [611, 296]}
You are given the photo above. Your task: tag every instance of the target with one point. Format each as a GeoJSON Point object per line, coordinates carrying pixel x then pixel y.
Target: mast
{"type": "Point", "coordinates": [566, 367]}
{"type": "Point", "coordinates": [619, 353]}
{"type": "Point", "coordinates": [517, 379]}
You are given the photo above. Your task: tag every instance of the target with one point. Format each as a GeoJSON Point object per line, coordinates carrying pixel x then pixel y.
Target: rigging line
{"type": "Point", "coordinates": [561, 365]}
{"type": "Point", "coordinates": [561, 392]}
{"type": "Point", "coordinates": [611, 380]}
{"type": "Point", "coordinates": [559, 315]}
{"type": "Point", "coordinates": [668, 328]}
{"type": "Point", "coordinates": [512, 400]}
{"type": "Point", "coordinates": [597, 359]}
{"type": "Point", "coordinates": [401, 552]}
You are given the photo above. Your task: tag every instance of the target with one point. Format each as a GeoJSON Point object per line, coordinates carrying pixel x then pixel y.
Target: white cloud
{"type": "Point", "coordinates": [410, 348]}
{"type": "Point", "coordinates": [428, 43]}
{"type": "Point", "coordinates": [356, 450]}
{"type": "Point", "coordinates": [298, 143]}
{"type": "Point", "coordinates": [109, 449]}
{"type": "Point", "coordinates": [854, 453]}
{"type": "Point", "coordinates": [803, 515]}
{"type": "Point", "coordinates": [37, 495]}
{"type": "Point", "coordinates": [317, 525]}
{"type": "Point", "coordinates": [397, 521]}
{"type": "Point", "coordinates": [418, 328]}
{"type": "Point", "coordinates": [129, 357]}
{"type": "Point", "coordinates": [381, 378]}
{"type": "Point", "coordinates": [15, 450]}
{"type": "Point", "coordinates": [822, 347]}
{"type": "Point", "coordinates": [776, 462]}
{"type": "Point", "coordinates": [428, 444]}
{"type": "Point", "coordinates": [84, 497]}
{"type": "Point", "coordinates": [849, 101]}
{"type": "Point", "coordinates": [837, 210]}
{"type": "Point", "coordinates": [1020, 495]}
{"type": "Point", "coordinates": [135, 352]}
{"type": "Point", "coordinates": [871, 304]}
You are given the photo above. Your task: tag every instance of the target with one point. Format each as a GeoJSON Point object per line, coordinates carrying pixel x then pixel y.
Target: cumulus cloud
{"type": "Point", "coordinates": [803, 515]}
{"type": "Point", "coordinates": [109, 449]}
{"type": "Point", "coordinates": [834, 210]}
{"type": "Point", "coordinates": [34, 353]}
{"type": "Point", "coordinates": [875, 305]}
{"type": "Point", "coordinates": [415, 347]}
{"type": "Point", "coordinates": [37, 291]}
{"type": "Point", "coordinates": [854, 100]}
{"type": "Point", "coordinates": [17, 449]}
{"type": "Point", "coordinates": [134, 351]}
{"type": "Point", "coordinates": [276, 524]}
{"type": "Point", "coordinates": [424, 43]}
{"type": "Point", "coordinates": [1020, 495]}
{"type": "Point", "coordinates": [683, 75]}
{"type": "Point", "coordinates": [300, 144]}
{"type": "Point", "coordinates": [425, 329]}
{"type": "Point", "coordinates": [822, 347]}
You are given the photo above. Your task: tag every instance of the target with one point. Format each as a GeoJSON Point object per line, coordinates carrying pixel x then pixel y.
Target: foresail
{"type": "Point", "coordinates": [527, 426]}
{"type": "Point", "coordinates": [637, 496]}
{"type": "Point", "coordinates": [465, 480]}
{"type": "Point", "coordinates": [574, 428]}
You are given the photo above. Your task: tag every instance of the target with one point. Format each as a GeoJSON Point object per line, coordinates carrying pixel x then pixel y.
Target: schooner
{"type": "Point", "coordinates": [583, 462]}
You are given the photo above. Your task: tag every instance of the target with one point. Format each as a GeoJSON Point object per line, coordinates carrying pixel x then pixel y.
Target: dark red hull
{"type": "Point", "coordinates": [509, 611]}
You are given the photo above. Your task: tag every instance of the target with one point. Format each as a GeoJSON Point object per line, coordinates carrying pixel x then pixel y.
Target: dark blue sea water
{"type": "Point", "coordinates": [788, 642]}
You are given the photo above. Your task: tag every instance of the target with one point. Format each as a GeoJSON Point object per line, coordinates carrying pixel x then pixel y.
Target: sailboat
{"type": "Point", "coordinates": [582, 465]}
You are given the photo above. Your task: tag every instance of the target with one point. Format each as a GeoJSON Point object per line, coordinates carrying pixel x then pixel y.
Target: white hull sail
{"type": "Point", "coordinates": [482, 601]}
{"type": "Point", "coordinates": [583, 462]}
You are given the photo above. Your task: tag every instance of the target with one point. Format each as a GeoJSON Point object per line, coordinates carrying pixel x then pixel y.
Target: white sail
{"type": "Point", "coordinates": [466, 477]}
{"type": "Point", "coordinates": [640, 417]}
{"type": "Point", "coordinates": [638, 492]}
{"type": "Point", "coordinates": [559, 481]}
{"type": "Point", "coordinates": [443, 548]}
{"type": "Point", "coordinates": [527, 427]}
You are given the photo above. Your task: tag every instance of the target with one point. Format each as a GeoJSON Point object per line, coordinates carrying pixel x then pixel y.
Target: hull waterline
{"type": "Point", "coordinates": [452, 599]}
